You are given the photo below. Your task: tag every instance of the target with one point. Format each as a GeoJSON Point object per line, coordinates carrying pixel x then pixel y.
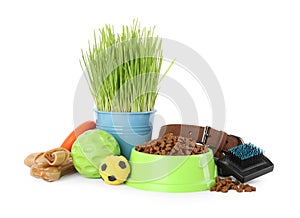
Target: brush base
{"type": "Point", "coordinates": [227, 167]}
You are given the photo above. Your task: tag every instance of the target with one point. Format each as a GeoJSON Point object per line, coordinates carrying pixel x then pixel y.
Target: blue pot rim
{"type": "Point", "coordinates": [125, 113]}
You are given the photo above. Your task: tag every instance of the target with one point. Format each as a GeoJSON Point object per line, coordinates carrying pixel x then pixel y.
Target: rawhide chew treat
{"type": "Point", "coordinates": [35, 158]}
{"type": "Point", "coordinates": [170, 144]}
{"type": "Point", "coordinates": [50, 165]}
{"type": "Point", "coordinates": [57, 156]}
{"type": "Point", "coordinates": [52, 173]}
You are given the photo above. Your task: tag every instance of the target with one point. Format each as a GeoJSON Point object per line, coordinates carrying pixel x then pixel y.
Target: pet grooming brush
{"type": "Point", "coordinates": [245, 162]}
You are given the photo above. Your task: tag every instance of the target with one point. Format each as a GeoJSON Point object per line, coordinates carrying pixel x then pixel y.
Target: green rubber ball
{"type": "Point", "coordinates": [90, 148]}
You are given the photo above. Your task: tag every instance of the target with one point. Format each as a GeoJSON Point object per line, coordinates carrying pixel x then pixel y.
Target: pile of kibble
{"type": "Point", "coordinates": [225, 184]}
{"type": "Point", "coordinates": [170, 144]}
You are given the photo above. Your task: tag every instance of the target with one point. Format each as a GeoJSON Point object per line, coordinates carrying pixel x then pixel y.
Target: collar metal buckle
{"type": "Point", "coordinates": [205, 135]}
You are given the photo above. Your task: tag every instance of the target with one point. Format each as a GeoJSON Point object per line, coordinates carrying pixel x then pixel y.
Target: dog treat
{"type": "Point", "coordinates": [50, 165]}
{"type": "Point", "coordinates": [53, 157]}
{"type": "Point", "coordinates": [52, 173]}
{"type": "Point", "coordinates": [226, 184]}
{"type": "Point", "coordinates": [57, 156]}
{"type": "Point", "coordinates": [35, 158]}
{"type": "Point", "coordinates": [172, 145]}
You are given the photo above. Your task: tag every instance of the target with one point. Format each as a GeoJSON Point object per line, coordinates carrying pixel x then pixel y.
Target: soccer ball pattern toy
{"type": "Point", "coordinates": [114, 169]}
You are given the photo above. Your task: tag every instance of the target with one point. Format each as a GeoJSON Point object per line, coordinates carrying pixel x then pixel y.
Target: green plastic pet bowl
{"type": "Point", "coordinates": [160, 173]}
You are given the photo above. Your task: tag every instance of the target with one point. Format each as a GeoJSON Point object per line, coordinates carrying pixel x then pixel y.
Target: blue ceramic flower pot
{"type": "Point", "coordinates": [129, 128]}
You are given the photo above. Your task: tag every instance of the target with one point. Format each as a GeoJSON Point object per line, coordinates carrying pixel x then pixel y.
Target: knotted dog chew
{"type": "Point", "coordinates": [57, 156]}
{"type": "Point", "coordinates": [36, 158]}
{"type": "Point", "coordinates": [50, 165]}
{"type": "Point", "coordinates": [30, 159]}
{"type": "Point", "coordinates": [53, 157]}
{"type": "Point", "coordinates": [52, 173]}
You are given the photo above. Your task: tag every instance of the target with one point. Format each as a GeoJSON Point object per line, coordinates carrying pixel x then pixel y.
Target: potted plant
{"type": "Point", "coordinates": [123, 73]}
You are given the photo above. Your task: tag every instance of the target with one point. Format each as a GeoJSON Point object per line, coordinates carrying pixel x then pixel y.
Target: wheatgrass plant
{"type": "Point", "coordinates": [123, 70]}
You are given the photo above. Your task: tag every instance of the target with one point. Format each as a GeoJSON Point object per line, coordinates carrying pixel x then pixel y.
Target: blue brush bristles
{"type": "Point", "coordinates": [245, 151]}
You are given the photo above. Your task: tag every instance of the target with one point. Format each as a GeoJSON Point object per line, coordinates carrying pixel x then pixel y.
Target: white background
{"type": "Point", "coordinates": [253, 48]}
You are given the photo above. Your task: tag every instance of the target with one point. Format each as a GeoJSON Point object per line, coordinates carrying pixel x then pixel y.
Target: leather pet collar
{"type": "Point", "coordinates": [218, 141]}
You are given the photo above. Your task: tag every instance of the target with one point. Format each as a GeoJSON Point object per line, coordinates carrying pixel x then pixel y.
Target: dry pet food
{"type": "Point", "coordinates": [224, 185]}
{"type": "Point", "coordinates": [170, 144]}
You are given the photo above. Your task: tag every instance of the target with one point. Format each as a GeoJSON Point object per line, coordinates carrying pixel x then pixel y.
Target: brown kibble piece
{"type": "Point", "coordinates": [227, 179]}
{"type": "Point", "coordinates": [224, 190]}
{"type": "Point", "coordinates": [248, 189]}
{"type": "Point", "coordinates": [229, 185]}
{"type": "Point", "coordinates": [172, 145]}
{"type": "Point", "coordinates": [226, 184]}
{"type": "Point", "coordinates": [223, 182]}
{"type": "Point", "coordinates": [160, 142]}
{"type": "Point", "coordinates": [219, 187]}
{"type": "Point", "coordinates": [239, 190]}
